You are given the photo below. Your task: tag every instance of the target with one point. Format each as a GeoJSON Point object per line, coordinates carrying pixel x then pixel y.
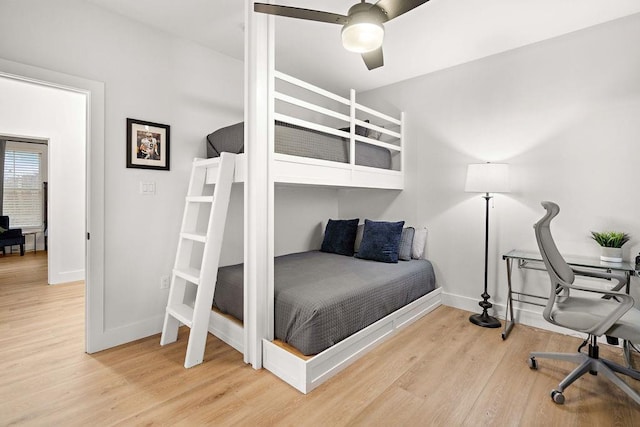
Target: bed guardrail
{"type": "Point", "coordinates": [299, 103]}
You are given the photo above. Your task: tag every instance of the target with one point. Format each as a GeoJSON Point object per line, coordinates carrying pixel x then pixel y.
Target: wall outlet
{"type": "Point", "coordinates": [164, 282]}
{"type": "Point", "coordinates": [147, 188]}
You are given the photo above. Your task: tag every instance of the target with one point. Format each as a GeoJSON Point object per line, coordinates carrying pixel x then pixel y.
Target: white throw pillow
{"type": "Point", "coordinates": [419, 243]}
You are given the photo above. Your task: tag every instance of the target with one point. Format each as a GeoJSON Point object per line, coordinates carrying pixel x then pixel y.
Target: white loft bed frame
{"type": "Point", "coordinates": [306, 374]}
{"type": "Point", "coordinates": [288, 169]}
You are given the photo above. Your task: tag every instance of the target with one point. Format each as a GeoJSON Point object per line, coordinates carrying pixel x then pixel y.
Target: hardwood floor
{"type": "Point", "coordinates": [442, 370]}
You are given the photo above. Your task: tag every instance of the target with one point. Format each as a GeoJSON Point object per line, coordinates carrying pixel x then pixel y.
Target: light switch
{"type": "Point", "coordinates": [147, 188]}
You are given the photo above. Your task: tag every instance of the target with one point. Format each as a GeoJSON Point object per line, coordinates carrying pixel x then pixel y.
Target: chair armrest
{"type": "Point", "coordinates": [11, 233]}
{"type": "Point", "coordinates": [626, 302]}
{"type": "Point", "coordinates": [622, 279]}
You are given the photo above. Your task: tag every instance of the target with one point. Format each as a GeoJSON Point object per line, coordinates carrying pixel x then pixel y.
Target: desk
{"type": "Point", "coordinates": [533, 261]}
{"type": "Point", "coordinates": [33, 233]}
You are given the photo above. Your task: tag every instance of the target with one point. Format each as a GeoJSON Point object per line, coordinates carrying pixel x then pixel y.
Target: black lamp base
{"type": "Point", "coordinates": [484, 320]}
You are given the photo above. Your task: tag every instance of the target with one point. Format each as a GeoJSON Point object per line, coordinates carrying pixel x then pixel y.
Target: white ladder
{"type": "Point", "coordinates": [195, 243]}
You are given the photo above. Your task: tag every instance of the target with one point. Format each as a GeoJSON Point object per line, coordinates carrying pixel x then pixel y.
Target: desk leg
{"type": "Point", "coordinates": [508, 316]}
{"type": "Point", "coordinates": [628, 347]}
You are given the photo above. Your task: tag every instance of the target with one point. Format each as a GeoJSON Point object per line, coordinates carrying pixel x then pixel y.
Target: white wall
{"type": "Point", "coordinates": [148, 75]}
{"type": "Point", "coordinates": [42, 112]}
{"type": "Point", "coordinates": [564, 113]}
{"type": "Point", "coordinates": [301, 212]}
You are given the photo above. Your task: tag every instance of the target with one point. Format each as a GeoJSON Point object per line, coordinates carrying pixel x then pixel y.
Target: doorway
{"type": "Point", "coordinates": [36, 113]}
{"type": "Point", "coordinates": [86, 162]}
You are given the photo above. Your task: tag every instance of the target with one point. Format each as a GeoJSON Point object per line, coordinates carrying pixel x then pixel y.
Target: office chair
{"type": "Point", "coordinates": [595, 312]}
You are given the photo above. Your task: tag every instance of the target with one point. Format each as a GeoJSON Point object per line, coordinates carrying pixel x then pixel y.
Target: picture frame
{"type": "Point", "coordinates": [148, 145]}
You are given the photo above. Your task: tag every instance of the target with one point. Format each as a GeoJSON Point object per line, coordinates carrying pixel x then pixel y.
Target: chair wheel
{"type": "Point", "coordinates": [533, 363]}
{"type": "Point", "coordinates": [557, 397]}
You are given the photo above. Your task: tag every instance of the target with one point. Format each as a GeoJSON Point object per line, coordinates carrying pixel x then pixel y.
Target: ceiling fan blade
{"type": "Point", "coordinates": [393, 8]}
{"type": "Point", "coordinates": [296, 12]}
{"type": "Point", "coordinates": [373, 59]}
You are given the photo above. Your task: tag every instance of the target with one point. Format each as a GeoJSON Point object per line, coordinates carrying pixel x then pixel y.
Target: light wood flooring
{"type": "Point", "coordinates": [440, 371]}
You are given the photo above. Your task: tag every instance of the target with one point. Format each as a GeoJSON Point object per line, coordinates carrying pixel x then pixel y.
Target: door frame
{"type": "Point", "coordinates": [95, 338]}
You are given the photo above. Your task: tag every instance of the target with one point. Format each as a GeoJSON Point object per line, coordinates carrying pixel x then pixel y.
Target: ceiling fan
{"type": "Point", "coordinates": [362, 29]}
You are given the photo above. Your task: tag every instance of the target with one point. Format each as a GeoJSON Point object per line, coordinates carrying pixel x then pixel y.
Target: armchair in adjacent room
{"type": "Point", "coordinates": [592, 311]}
{"type": "Point", "coordinates": [11, 236]}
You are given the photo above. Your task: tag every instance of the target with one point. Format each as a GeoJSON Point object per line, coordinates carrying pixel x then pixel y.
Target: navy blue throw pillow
{"type": "Point", "coordinates": [380, 241]}
{"type": "Point", "coordinates": [339, 236]}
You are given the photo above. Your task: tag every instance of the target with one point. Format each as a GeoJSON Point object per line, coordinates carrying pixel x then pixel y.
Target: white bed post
{"type": "Point", "coordinates": [352, 128]}
{"type": "Point", "coordinates": [258, 186]}
{"type": "Point", "coordinates": [403, 164]}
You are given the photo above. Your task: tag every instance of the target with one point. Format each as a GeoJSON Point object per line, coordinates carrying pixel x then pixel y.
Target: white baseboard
{"type": "Point", "coordinates": [127, 333]}
{"type": "Point", "coordinates": [66, 277]}
{"type": "Point", "coordinates": [525, 316]}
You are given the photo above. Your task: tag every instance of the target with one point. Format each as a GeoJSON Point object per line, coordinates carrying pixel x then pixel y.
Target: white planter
{"type": "Point", "coordinates": [611, 254]}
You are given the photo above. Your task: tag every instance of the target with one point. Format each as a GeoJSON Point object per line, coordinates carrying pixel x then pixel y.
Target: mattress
{"type": "Point", "coordinates": [323, 298]}
{"type": "Point", "coordinates": [299, 141]}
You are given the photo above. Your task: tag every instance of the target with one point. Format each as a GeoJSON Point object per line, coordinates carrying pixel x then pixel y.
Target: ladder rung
{"type": "Point", "coordinates": [203, 163]}
{"type": "Point", "coordinates": [194, 236]}
{"type": "Point", "coordinates": [182, 312]}
{"type": "Point", "coordinates": [200, 199]}
{"type": "Point", "coordinates": [189, 274]}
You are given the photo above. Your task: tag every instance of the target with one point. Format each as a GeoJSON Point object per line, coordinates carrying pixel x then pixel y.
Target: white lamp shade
{"type": "Point", "coordinates": [362, 37]}
{"type": "Point", "coordinates": [487, 178]}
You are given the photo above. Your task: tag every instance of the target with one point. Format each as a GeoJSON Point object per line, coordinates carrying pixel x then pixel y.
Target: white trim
{"type": "Point", "coordinates": [525, 316]}
{"type": "Point", "coordinates": [289, 169]}
{"type": "Point", "coordinates": [96, 337]}
{"type": "Point", "coordinates": [228, 330]}
{"type": "Point", "coordinates": [63, 277]}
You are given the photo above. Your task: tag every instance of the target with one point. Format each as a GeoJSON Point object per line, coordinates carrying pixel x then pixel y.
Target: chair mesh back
{"type": "Point", "coordinates": [555, 263]}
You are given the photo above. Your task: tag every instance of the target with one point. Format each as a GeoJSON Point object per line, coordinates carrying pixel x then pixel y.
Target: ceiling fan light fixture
{"type": "Point", "coordinates": [361, 37]}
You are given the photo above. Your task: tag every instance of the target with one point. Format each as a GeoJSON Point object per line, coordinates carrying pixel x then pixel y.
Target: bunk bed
{"type": "Point", "coordinates": [322, 139]}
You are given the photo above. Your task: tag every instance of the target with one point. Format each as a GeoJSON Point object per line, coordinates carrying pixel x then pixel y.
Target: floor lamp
{"type": "Point", "coordinates": [486, 178]}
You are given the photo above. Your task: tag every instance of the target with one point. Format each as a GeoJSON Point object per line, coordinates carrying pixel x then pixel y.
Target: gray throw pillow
{"type": "Point", "coordinates": [339, 236]}
{"type": "Point", "coordinates": [406, 243]}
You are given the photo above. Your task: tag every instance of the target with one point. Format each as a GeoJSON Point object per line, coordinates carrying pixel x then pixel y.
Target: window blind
{"type": "Point", "coordinates": [23, 188]}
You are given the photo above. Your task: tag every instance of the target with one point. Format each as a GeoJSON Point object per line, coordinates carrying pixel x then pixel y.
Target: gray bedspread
{"type": "Point", "coordinates": [303, 142]}
{"type": "Point", "coordinates": [322, 298]}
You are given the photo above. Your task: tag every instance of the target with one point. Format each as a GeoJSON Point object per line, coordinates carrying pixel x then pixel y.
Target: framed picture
{"type": "Point", "coordinates": [147, 145]}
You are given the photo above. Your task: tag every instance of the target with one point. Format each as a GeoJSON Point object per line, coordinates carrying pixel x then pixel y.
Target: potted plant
{"type": "Point", "coordinates": [610, 244]}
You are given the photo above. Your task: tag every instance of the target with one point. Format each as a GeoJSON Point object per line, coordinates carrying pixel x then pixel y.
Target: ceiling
{"type": "Point", "coordinates": [434, 36]}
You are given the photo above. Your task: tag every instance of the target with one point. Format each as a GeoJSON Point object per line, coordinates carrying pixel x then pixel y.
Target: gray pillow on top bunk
{"type": "Point", "coordinates": [339, 236]}
{"type": "Point", "coordinates": [380, 241]}
{"type": "Point", "coordinates": [229, 139]}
